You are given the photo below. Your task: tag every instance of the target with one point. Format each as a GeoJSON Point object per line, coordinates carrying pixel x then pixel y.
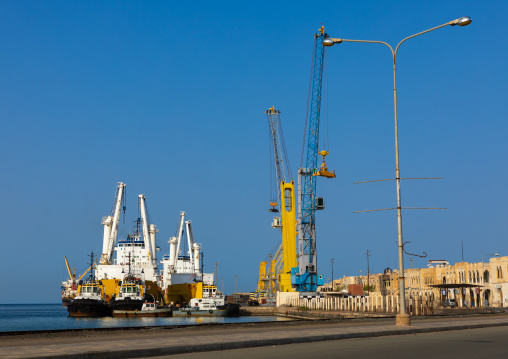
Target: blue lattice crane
{"type": "Point", "coordinates": [304, 277]}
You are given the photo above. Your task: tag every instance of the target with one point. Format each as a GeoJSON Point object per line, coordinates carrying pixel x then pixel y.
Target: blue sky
{"type": "Point", "coordinates": [169, 98]}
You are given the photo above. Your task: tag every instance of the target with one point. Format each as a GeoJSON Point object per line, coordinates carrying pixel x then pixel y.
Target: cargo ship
{"type": "Point", "coordinates": [135, 255]}
{"type": "Point", "coordinates": [182, 278]}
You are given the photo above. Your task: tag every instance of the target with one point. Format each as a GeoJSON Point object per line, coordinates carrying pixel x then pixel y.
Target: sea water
{"type": "Point", "coordinates": [28, 317]}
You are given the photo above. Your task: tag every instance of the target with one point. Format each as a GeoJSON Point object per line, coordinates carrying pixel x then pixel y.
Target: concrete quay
{"type": "Point", "coordinates": [159, 341]}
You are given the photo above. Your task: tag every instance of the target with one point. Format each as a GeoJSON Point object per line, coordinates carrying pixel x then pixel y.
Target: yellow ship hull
{"type": "Point", "coordinates": [182, 293]}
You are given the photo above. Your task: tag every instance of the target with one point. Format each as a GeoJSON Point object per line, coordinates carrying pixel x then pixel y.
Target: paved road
{"type": "Point", "coordinates": [152, 342]}
{"type": "Point", "coordinates": [489, 343]}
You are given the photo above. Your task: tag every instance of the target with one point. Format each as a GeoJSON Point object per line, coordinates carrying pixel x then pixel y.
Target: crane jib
{"type": "Point", "coordinates": [309, 181]}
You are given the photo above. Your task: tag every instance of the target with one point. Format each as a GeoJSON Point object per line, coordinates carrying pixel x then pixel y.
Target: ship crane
{"type": "Point", "coordinates": [71, 275]}
{"type": "Point", "coordinates": [174, 243]}
{"type": "Point", "coordinates": [194, 251]}
{"type": "Point", "coordinates": [305, 276]}
{"type": "Point", "coordinates": [149, 231]}
{"type": "Point", "coordinates": [110, 224]}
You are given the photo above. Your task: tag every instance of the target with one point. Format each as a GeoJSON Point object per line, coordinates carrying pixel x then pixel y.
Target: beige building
{"type": "Point", "coordinates": [471, 284]}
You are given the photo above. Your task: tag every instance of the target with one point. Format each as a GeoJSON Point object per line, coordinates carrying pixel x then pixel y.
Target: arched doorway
{"type": "Point", "coordinates": [486, 298]}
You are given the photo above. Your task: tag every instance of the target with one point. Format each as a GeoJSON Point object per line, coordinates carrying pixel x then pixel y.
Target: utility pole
{"type": "Point", "coordinates": [202, 257]}
{"type": "Point", "coordinates": [368, 272]}
{"type": "Point", "coordinates": [332, 261]}
{"type": "Point", "coordinates": [216, 273]}
{"type": "Point", "coordinates": [270, 292]}
{"type": "Point", "coordinates": [236, 290]}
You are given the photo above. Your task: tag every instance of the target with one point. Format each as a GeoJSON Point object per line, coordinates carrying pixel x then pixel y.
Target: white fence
{"type": "Point", "coordinates": [417, 305]}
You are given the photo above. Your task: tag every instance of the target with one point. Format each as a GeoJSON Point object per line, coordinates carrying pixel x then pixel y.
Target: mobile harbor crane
{"type": "Point", "coordinates": [275, 275]}
{"type": "Point", "coordinates": [305, 277]}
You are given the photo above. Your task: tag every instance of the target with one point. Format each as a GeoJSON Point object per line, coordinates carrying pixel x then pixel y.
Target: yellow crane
{"type": "Point", "coordinates": [275, 274]}
{"type": "Point", "coordinates": [73, 275]}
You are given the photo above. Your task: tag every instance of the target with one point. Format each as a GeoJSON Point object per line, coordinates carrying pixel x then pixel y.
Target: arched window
{"type": "Point", "coordinates": [486, 276]}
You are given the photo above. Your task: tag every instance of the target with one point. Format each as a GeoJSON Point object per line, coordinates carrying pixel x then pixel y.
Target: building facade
{"type": "Point", "coordinates": [471, 284]}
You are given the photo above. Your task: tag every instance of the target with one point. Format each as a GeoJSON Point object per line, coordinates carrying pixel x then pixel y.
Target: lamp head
{"type": "Point", "coordinates": [331, 41]}
{"type": "Point", "coordinates": [463, 21]}
{"type": "Point", "coordinates": [328, 42]}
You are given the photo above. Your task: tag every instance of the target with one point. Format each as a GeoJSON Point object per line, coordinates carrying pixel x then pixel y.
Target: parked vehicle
{"type": "Point", "coordinates": [452, 303]}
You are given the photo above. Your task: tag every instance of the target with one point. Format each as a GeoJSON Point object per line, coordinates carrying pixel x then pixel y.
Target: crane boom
{"type": "Point", "coordinates": [82, 275]}
{"type": "Point", "coordinates": [278, 148]}
{"type": "Point", "coordinates": [178, 239]}
{"type": "Point", "coordinates": [194, 249]}
{"type": "Point", "coordinates": [144, 223]}
{"type": "Point", "coordinates": [305, 276]}
{"type": "Point", "coordinates": [68, 269]}
{"type": "Point", "coordinates": [110, 224]}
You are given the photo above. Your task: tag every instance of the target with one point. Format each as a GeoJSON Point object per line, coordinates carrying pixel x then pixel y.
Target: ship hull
{"type": "Point", "coordinates": [200, 313]}
{"type": "Point", "coordinates": [88, 308]}
{"type": "Point", "coordinates": [166, 312]}
{"type": "Point", "coordinates": [181, 293]}
{"type": "Point", "coordinates": [126, 304]}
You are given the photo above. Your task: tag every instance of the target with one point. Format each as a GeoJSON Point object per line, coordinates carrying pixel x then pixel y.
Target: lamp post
{"type": "Point", "coordinates": [403, 318]}
{"type": "Point", "coordinates": [489, 255]}
{"type": "Point", "coordinates": [368, 272]}
{"type": "Point", "coordinates": [332, 261]}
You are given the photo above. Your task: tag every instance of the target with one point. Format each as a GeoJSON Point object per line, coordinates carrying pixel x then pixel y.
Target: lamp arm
{"type": "Point", "coordinates": [420, 33]}
{"type": "Point", "coordinates": [369, 41]}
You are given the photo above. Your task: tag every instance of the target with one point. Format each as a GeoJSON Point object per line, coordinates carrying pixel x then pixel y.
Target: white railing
{"type": "Point", "coordinates": [417, 305]}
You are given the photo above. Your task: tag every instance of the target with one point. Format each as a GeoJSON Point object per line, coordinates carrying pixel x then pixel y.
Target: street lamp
{"type": "Point", "coordinates": [403, 318]}
{"type": "Point", "coordinates": [489, 255]}
{"type": "Point", "coordinates": [332, 261]}
{"type": "Point", "coordinates": [368, 272]}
